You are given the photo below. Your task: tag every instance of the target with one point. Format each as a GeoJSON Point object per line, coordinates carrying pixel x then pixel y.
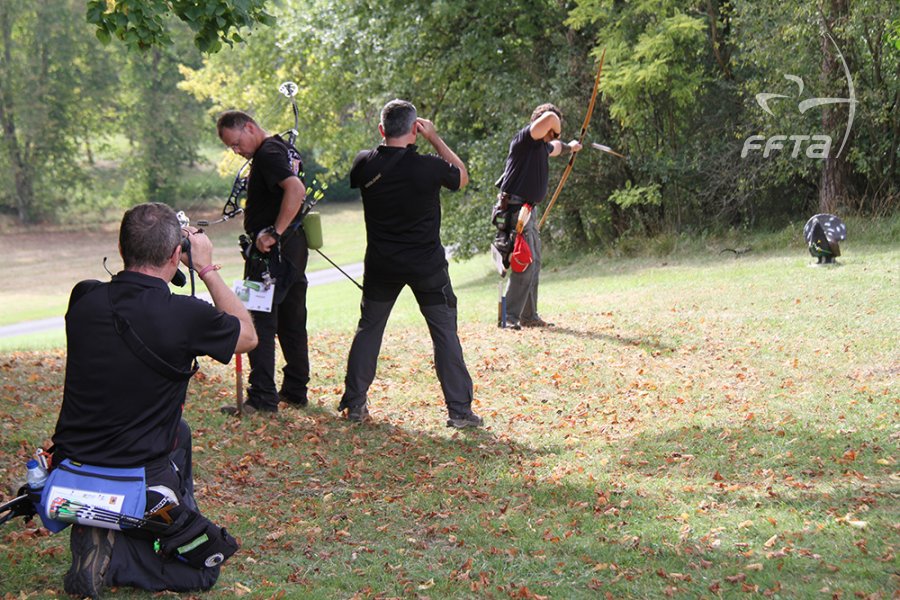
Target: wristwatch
{"type": "Point", "coordinates": [270, 230]}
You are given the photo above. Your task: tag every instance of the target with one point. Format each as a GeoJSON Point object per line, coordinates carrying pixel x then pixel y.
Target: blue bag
{"type": "Point", "coordinates": [93, 496]}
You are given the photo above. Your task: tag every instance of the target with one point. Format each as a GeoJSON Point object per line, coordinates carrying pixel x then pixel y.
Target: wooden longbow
{"type": "Point", "coordinates": [584, 126]}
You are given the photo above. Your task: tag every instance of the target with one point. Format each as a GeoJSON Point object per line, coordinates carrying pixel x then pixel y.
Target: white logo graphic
{"type": "Point", "coordinates": [817, 146]}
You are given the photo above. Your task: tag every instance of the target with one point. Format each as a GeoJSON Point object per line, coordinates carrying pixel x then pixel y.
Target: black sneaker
{"type": "Point", "coordinates": [512, 325]}
{"type": "Point", "coordinates": [469, 420]}
{"type": "Point", "coordinates": [91, 552]}
{"type": "Point", "coordinates": [358, 414]}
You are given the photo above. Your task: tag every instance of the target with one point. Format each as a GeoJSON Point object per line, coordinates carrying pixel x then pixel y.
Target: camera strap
{"type": "Point", "coordinates": [386, 168]}
{"type": "Point", "coordinates": [142, 351]}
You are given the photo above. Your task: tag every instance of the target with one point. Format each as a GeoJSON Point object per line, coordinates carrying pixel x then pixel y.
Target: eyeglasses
{"type": "Point", "coordinates": [236, 144]}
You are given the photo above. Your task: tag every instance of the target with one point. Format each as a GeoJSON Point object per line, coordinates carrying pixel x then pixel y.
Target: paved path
{"type": "Point", "coordinates": [315, 278]}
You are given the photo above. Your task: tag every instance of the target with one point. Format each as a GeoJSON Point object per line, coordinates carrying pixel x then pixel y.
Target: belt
{"type": "Point", "coordinates": [513, 199]}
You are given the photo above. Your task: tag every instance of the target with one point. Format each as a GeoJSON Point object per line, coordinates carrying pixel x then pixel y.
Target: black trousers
{"type": "Point", "coordinates": [437, 303]}
{"type": "Point", "coordinates": [288, 321]}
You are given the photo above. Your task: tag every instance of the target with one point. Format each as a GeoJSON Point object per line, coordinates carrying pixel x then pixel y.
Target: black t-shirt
{"type": "Point", "coordinates": [116, 410]}
{"type": "Point", "coordinates": [403, 211]}
{"type": "Point", "coordinates": [527, 167]}
{"type": "Point", "coordinates": [271, 165]}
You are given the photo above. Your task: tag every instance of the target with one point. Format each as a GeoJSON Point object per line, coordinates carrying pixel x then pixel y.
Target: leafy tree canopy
{"type": "Point", "coordinates": [142, 24]}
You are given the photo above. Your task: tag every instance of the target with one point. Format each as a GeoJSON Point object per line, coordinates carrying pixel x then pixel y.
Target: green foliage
{"type": "Point", "coordinates": [677, 97]}
{"type": "Point", "coordinates": [784, 38]}
{"type": "Point", "coordinates": [476, 75]}
{"type": "Point", "coordinates": [51, 77]}
{"type": "Point", "coordinates": [637, 196]}
{"type": "Point", "coordinates": [143, 24]}
{"type": "Point", "coordinates": [895, 34]}
{"type": "Point", "coordinates": [680, 90]}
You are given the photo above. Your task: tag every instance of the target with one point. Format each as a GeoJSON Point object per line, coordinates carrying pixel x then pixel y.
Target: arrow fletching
{"type": "Point", "coordinates": [606, 149]}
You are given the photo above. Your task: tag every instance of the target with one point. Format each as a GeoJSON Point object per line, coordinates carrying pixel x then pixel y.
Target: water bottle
{"type": "Point", "coordinates": [37, 475]}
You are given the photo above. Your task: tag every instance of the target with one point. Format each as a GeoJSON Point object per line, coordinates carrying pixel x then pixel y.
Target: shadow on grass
{"type": "Point", "coordinates": [398, 507]}
{"type": "Point", "coordinates": [392, 507]}
{"type": "Point", "coordinates": [647, 344]}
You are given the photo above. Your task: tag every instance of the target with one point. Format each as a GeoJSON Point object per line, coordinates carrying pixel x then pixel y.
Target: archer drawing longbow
{"type": "Point", "coordinates": [584, 126]}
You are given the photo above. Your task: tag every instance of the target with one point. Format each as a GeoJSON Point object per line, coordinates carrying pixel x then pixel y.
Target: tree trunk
{"type": "Point", "coordinates": [834, 183]}
{"type": "Point", "coordinates": [718, 40]}
{"type": "Point", "coordinates": [20, 170]}
{"type": "Point", "coordinates": [153, 166]}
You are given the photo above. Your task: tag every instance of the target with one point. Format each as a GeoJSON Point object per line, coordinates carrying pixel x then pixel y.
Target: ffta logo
{"type": "Point", "coordinates": [817, 145]}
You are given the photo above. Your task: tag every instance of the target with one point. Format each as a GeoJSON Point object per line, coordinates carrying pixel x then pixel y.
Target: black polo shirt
{"type": "Point", "coordinates": [116, 410]}
{"type": "Point", "coordinates": [271, 165]}
{"type": "Point", "coordinates": [527, 167]}
{"type": "Point", "coordinates": [403, 211]}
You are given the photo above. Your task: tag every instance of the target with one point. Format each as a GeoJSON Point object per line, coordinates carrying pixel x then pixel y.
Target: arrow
{"type": "Point", "coordinates": [606, 149]}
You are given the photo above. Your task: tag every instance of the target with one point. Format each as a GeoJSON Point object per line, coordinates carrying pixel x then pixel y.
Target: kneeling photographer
{"type": "Point", "coordinates": [131, 351]}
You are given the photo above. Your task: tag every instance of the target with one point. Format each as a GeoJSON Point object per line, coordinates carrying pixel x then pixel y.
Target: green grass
{"type": "Point", "coordinates": [696, 426]}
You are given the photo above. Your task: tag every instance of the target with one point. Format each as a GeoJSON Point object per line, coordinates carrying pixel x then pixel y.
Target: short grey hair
{"type": "Point", "coordinates": [148, 235]}
{"type": "Point", "coordinates": [397, 118]}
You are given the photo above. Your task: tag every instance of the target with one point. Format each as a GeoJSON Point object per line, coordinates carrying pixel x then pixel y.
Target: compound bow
{"type": "Point", "coordinates": [233, 206]}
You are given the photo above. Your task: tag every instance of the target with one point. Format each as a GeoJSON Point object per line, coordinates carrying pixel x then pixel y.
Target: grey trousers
{"type": "Point", "coordinates": [437, 303]}
{"type": "Point", "coordinates": [522, 290]}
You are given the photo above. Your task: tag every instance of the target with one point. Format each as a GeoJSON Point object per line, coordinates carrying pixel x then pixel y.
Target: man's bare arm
{"type": "Point", "coordinates": [428, 131]}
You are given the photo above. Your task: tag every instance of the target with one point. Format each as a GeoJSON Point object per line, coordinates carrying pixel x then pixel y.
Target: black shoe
{"type": "Point", "coordinates": [91, 552]}
{"type": "Point", "coordinates": [358, 414]}
{"type": "Point", "coordinates": [294, 401]}
{"type": "Point", "coordinates": [512, 325]}
{"type": "Point", "coordinates": [469, 420]}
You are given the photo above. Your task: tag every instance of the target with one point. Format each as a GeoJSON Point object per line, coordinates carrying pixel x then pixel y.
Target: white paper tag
{"type": "Point", "coordinates": [255, 295]}
{"type": "Point", "coordinates": [111, 502]}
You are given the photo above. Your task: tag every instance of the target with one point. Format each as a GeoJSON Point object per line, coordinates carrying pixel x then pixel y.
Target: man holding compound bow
{"type": "Point", "coordinates": [522, 185]}
{"type": "Point", "coordinates": [130, 348]}
{"type": "Point", "coordinates": [277, 250]}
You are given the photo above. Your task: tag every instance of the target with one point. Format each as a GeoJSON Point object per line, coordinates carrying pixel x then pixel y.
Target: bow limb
{"type": "Point", "coordinates": [584, 126]}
